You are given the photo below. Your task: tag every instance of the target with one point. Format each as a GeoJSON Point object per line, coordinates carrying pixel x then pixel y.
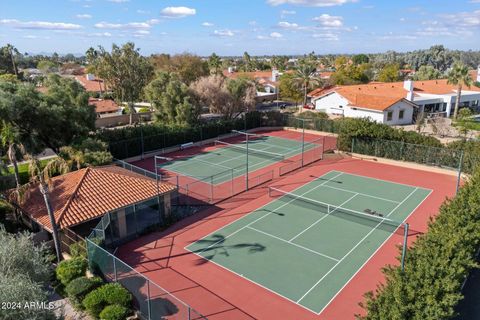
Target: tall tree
{"type": "Point", "coordinates": [51, 120]}
{"type": "Point", "coordinates": [389, 73]}
{"type": "Point", "coordinates": [460, 77]}
{"type": "Point", "coordinates": [172, 100]}
{"type": "Point", "coordinates": [125, 71]}
{"type": "Point", "coordinates": [187, 66]}
{"type": "Point", "coordinates": [214, 63]}
{"type": "Point", "coordinates": [10, 141]}
{"type": "Point", "coordinates": [305, 75]}
{"type": "Point", "coordinates": [427, 73]}
{"type": "Point", "coordinates": [289, 88]}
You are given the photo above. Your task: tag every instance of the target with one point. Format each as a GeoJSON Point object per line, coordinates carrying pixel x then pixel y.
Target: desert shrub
{"type": "Point", "coordinates": [114, 312]}
{"type": "Point", "coordinates": [108, 294]}
{"type": "Point", "coordinates": [68, 270]}
{"type": "Point", "coordinates": [78, 288]}
{"type": "Point", "coordinates": [78, 249]}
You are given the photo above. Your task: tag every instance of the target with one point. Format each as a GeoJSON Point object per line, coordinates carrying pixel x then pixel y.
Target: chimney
{"type": "Point", "coordinates": [274, 75]}
{"type": "Point", "coordinates": [90, 77]}
{"type": "Point", "coordinates": [408, 85]}
{"type": "Point", "coordinates": [478, 74]}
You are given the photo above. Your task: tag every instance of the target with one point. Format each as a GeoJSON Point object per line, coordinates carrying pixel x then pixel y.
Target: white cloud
{"type": "Point", "coordinates": [310, 3]}
{"type": "Point", "coordinates": [288, 25]}
{"type": "Point", "coordinates": [327, 20]}
{"type": "Point", "coordinates": [276, 35]}
{"type": "Point", "coordinates": [130, 25]}
{"type": "Point", "coordinates": [326, 36]}
{"type": "Point", "coordinates": [84, 16]}
{"type": "Point", "coordinates": [100, 34]}
{"type": "Point", "coordinates": [118, 1]}
{"type": "Point", "coordinates": [177, 12]}
{"type": "Point", "coordinates": [223, 33]}
{"type": "Point", "coordinates": [207, 24]}
{"type": "Point", "coordinates": [143, 11]}
{"type": "Point", "coordinates": [463, 19]}
{"type": "Point", "coordinates": [40, 25]}
{"type": "Point", "coordinates": [260, 37]}
{"type": "Point", "coordinates": [145, 32]}
{"type": "Point", "coordinates": [285, 13]}
{"type": "Point", "coordinates": [392, 36]}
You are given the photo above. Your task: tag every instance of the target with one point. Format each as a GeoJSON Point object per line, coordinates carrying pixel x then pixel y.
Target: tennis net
{"type": "Point", "coordinates": [262, 153]}
{"type": "Point", "coordinates": [370, 216]}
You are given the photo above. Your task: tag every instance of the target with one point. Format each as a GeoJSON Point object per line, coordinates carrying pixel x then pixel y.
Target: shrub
{"type": "Point", "coordinates": [94, 302]}
{"type": "Point", "coordinates": [78, 288]}
{"type": "Point", "coordinates": [114, 293]}
{"type": "Point", "coordinates": [108, 294]}
{"type": "Point", "coordinates": [68, 270]}
{"type": "Point", "coordinates": [114, 312]}
{"type": "Point", "coordinates": [78, 249]}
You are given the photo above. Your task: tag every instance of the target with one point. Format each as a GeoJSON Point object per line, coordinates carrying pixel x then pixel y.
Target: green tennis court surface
{"type": "Point", "coordinates": [229, 160]}
{"type": "Point", "coordinates": [307, 251]}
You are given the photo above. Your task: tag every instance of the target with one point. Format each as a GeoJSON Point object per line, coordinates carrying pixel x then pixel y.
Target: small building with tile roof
{"type": "Point", "coordinates": [105, 107]}
{"type": "Point", "coordinates": [395, 103]}
{"type": "Point", "coordinates": [133, 201]}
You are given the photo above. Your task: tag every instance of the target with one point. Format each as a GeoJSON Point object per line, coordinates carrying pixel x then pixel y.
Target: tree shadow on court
{"type": "Point", "coordinates": [216, 246]}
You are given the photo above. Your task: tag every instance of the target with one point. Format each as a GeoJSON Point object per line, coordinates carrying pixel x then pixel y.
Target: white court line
{"type": "Point", "coordinates": [265, 215]}
{"type": "Point", "coordinates": [313, 224]}
{"type": "Point", "coordinates": [362, 194]}
{"type": "Point", "coordinates": [373, 254]}
{"type": "Point", "coordinates": [351, 250]}
{"type": "Point", "coordinates": [293, 244]}
{"type": "Point", "coordinates": [399, 183]}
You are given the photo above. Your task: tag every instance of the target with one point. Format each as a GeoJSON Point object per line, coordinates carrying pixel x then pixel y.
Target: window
{"type": "Point", "coordinates": [401, 114]}
{"type": "Point", "coordinates": [389, 115]}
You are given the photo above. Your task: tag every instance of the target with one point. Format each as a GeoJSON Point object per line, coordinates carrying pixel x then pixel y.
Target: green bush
{"type": "Point", "coordinates": [68, 270]}
{"type": "Point", "coordinates": [436, 266]}
{"type": "Point", "coordinates": [108, 294]}
{"type": "Point", "coordinates": [78, 288]}
{"type": "Point", "coordinates": [78, 249]}
{"type": "Point", "coordinates": [114, 293]}
{"type": "Point", "coordinates": [114, 312]}
{"type": "Point", "coordinates": [94, 302]}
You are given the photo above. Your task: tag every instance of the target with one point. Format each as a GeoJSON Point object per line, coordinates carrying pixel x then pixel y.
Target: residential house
{"type": "Point", "coordinates": [134, 203]}
{"type": "Point", "coordinates": [105, 107]}
{"type": "Point", "coordinates": [394, 103]}
{"type": "Point", "coordinates": [91, 83]}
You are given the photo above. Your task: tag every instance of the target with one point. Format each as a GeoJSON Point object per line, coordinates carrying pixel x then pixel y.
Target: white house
{"type": "Point", "coordinates": [395, 103]}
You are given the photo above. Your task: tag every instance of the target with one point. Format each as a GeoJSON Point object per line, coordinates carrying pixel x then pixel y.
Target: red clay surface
{"type": "Point", "coordinates": [219, 294]}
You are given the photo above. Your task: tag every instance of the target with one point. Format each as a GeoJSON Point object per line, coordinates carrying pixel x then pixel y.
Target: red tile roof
{"type": "Point", "coordinates": [104, 105]}
{"type": "Point", "coordinates": [89, 193]}
{"type": "Point", "coordinates": [97, 85]}
{"type": "Point", "coordinates": [381, 95]}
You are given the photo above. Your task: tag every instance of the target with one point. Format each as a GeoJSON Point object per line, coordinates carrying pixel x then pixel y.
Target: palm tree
{"type": "Point", "coordinates": [8, 139]}
{"type": "Point", "coordinates": [214, 62]}
{"type": "Point", "coordinates": [42, 177]}
{"type": "Point", "coordinates": [11, 50]}
{"type": "Point", "coordinates": [305, 75]}
{"type": "Point", "coordinates": [460, 77]}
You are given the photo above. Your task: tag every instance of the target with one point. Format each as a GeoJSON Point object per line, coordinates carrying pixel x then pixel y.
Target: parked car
{"type": "Point", "coordinates": [309, 106]}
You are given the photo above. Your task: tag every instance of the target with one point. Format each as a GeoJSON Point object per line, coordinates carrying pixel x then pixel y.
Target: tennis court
{"type": "Point", "coordinates": [308, 243]}
{"type": "Point", "coordinates": [228, 160]}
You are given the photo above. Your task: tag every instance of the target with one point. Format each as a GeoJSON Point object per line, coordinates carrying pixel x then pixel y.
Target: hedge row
{"type": "Point", "coordinates": [438, 263]}
{"type": "Point", "coordinates": [132, 141]}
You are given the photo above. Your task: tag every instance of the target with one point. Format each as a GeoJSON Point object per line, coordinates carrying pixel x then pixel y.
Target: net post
{"type": "Point", "coordinates": [211, 189]}
{"type": "Point", "coordinates": [404, 249]}
{"type": "Point", "coordinates": [246, 170]}
{"type": "Point", "coordinates": [303, 141]}
{"type": "Point", "coordinates": [459, 178]}
{"type": "Point", "coordinates": [231, 184]}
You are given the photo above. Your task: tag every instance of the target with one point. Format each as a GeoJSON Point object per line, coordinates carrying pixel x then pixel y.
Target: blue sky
{"type": "Point", "coordinates": [230, 27]}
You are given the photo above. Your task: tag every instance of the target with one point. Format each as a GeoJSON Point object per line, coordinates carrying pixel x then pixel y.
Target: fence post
{"type": "Point", "coordinates": [189, 313]}
{"type": "Point", "coordinates": [149, 307]}
{"type": "Point", "coordinates": [114, 268]}
{"type": "Point", "coordinates": [141, 141]}
{"type": "Point", "coordinates": [353, 144]}
{"type": "Point", "coordinates": [232, 185]}
{"type": "Point", "coordinates": [404, 249]}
